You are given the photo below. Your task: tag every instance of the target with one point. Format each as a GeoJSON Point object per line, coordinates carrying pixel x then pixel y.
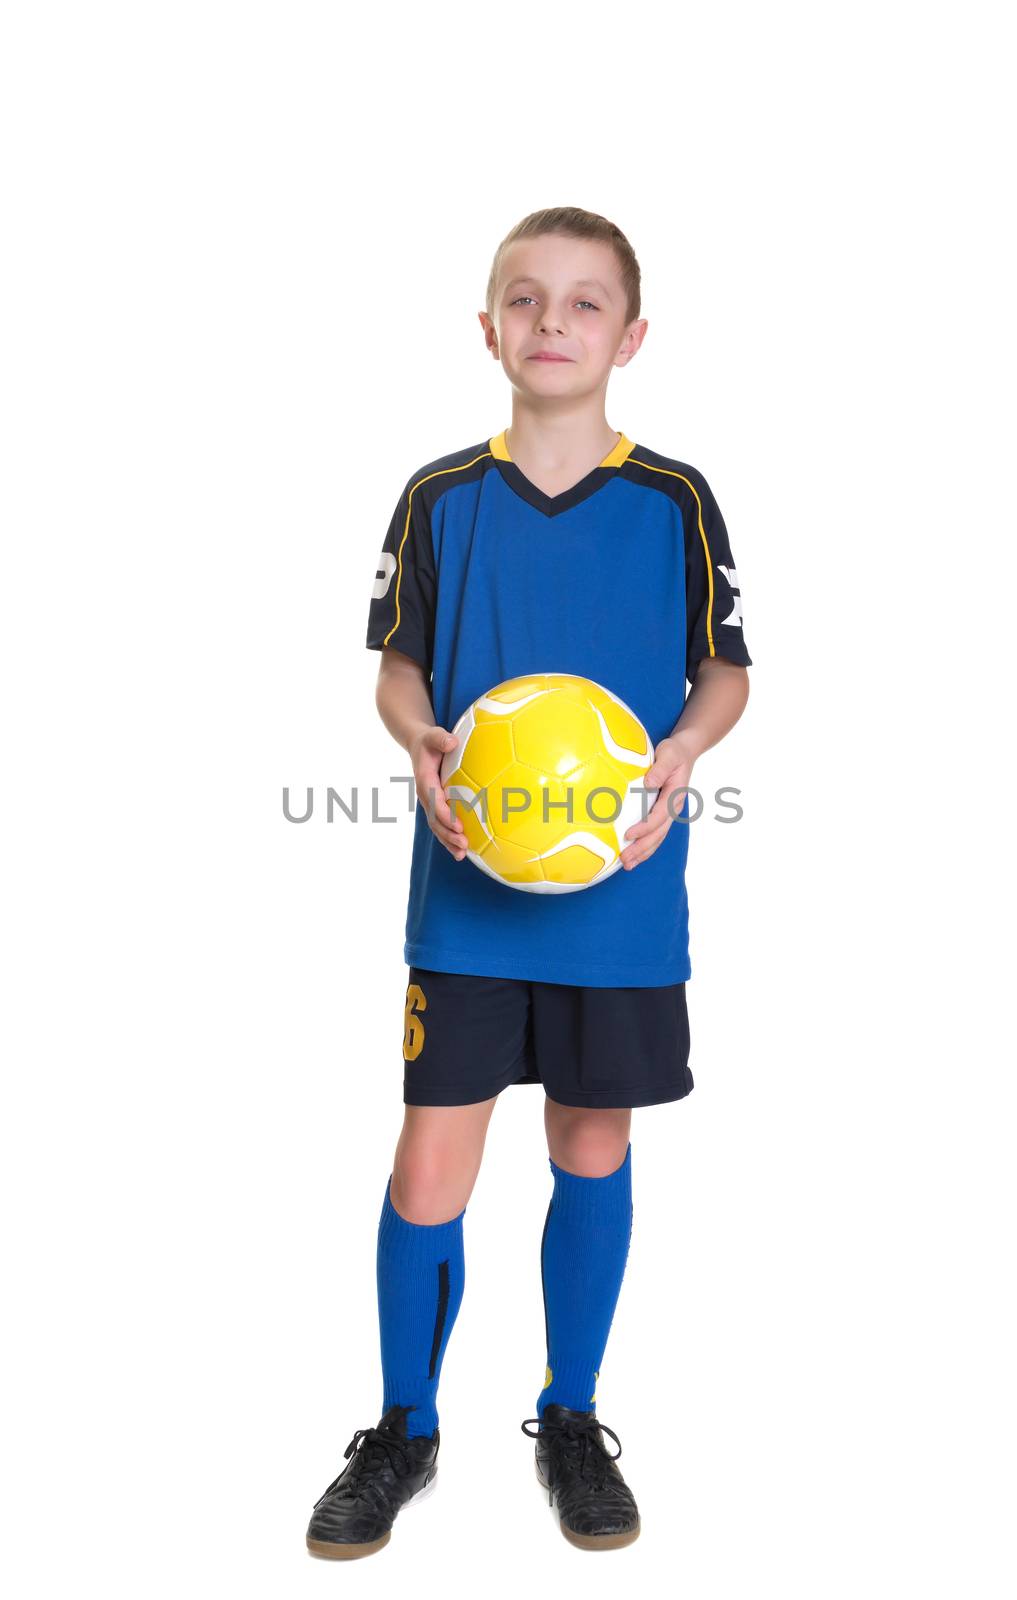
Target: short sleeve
{"type": "Point", "coordinates": [403, 598]}
{"type": "Point", "coordinates": [712, 592]}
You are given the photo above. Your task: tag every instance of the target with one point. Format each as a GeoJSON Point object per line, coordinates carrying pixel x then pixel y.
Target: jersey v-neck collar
{"type": "Point", "coordinates": [552, 504]}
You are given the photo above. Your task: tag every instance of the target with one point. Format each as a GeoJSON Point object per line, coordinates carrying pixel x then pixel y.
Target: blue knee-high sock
{"type": "Point", "coordinates": [421, 1275]}
{"type": "Point", "coordinates": [582, 1262]}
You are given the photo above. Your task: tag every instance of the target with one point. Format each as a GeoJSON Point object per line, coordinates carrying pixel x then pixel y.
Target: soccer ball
{"type": "Point", "coordinates": [545, 779]}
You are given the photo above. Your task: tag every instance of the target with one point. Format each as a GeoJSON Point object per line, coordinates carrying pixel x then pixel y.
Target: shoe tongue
{"type": "Point", "coordinates": [394, 1420]}
{"type": "Point", "coordinates": [555, 1412]}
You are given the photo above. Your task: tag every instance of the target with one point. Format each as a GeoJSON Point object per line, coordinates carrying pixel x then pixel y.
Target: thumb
{"type": "Point", "coordinates": [441, 739]}
{"type": "Point", "coordinates": [660, 767]}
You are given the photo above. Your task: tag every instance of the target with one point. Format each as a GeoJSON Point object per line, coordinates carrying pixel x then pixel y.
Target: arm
{"type": "Point", "coordinates": [716, 658]}
{"type": "Point", "coordinates": [403, 609]}
{"type": "Point", "coordinates": [402, 698]}
{"type": "Point", "coordinates": [404, 705]}
{"type": "Point", "coordinates": [716, 700]}
{"type": "Point", "coordinates": [718, 696]}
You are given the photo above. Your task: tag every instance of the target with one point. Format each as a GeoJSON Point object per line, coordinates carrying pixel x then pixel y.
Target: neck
{"type": "Point", "coordinates": [554, 441]}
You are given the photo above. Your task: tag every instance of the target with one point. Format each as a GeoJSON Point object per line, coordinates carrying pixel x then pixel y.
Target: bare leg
{"type": "Point", "coordinates": [590, 1141]}
{"type": "Point", "coordinates": [437, 1159]}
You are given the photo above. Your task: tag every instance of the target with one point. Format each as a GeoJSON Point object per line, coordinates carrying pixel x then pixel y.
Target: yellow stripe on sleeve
{"type": "Point", "coordinates": [409, 513]}
{"type": "Point", "coordinates": [668, 472]}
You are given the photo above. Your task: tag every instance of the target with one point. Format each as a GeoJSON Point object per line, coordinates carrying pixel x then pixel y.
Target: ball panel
{"type": "Point", "coordinates": [596, 815]}
{"type": "Point", "coordinates": [573, 863]}
{"type": "Point", "coordinates": [507, 697]}
{"type": "Point", "coordinates": [573, 688]}
{"type": "Point", "coordinates": [524, 825]}
{"type": "Point", "coordinates": [554, 734]}
{"type": "Point", "coordinates": [511, 863]}
{"type": "Point", "coordinates": [623, 736]}
{"type": "Point", "coordinates": [488, 752]}
{"type": "Point", "coordinates": [618, 776]}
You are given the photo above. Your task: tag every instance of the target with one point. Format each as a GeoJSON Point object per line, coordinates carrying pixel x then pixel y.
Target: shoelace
{"type": "Point", "coordinates": [581, 1445]}
{"type": "Point", "coordinates": [375, 1444]}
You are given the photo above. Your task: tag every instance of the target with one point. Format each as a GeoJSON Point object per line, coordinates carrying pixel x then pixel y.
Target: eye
{"type": "Point", "coordinates": [520, 298]}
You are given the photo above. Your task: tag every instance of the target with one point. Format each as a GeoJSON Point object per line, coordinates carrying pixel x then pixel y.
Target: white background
{"type": "Point", "coordinates": [246, 247]}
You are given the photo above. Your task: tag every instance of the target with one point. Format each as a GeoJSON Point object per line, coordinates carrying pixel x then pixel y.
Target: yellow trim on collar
{"type": "Point", "coordinates": [614, 458]}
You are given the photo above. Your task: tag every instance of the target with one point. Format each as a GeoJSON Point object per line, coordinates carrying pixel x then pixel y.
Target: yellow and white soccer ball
{"type": "Point", "coordinates": [527, 749]}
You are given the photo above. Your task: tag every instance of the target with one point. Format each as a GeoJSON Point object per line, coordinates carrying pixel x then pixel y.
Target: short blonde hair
{"type": "Point", "coordinates": [574, 223]}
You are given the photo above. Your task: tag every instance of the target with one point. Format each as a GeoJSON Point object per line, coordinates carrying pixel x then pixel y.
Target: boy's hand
{"type": "Point", "coordinates": [671, 770]}
{"type": "Point", "coordinates": [426, 752]}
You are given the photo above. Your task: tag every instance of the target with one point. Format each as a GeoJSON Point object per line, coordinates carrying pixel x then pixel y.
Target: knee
{"type": "Point", "coordinates": [423, 1188]}
{"type": "Point", "coordinates": [591, 1143]}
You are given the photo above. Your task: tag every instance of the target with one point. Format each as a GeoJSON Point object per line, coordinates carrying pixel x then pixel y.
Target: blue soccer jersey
{"type": "Point", "coordinates": [626, 578]}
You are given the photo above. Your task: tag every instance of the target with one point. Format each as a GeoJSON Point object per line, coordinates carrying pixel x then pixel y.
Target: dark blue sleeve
{"type": "Point", "coordinates": [402, 607]}
{"type": "Point", "coordinates": [713, 600]}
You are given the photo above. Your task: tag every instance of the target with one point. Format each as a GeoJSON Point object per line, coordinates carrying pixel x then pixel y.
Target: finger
{"type": "Point", "coordinates": [648, 841]}
{"type": "Point", "coordinates": [455, 846]}
{"type": "Point", "coordinates": [456, 812]}
{"type": "Point", "coordinates": [432, 798]}
{"type": "Point", "coordinates": [665, 810]}
{"type": "Point", "coordinates": [447, 835]}
{"type": "Point", "coordinates": [658, 811]}
{"type": "Point", "coordinates": [660, 771]}
{"type": "Point", "coordinates": [457, 852]}
{"type": "Point", "coordinates": [429, 768]}
{"type": "Point", "coordinates": [640, 855]}
{"type": "Point", "coordinates": [646, 845]}
{"type": "Point", "coordinates": [654, 818]}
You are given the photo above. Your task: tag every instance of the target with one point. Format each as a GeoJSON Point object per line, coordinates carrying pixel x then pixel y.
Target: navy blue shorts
{"type": "Point", "coordinates": [467, 1038]}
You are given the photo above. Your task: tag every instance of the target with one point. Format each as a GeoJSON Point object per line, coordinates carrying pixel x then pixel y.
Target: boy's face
{"type": "Point", "coordinates": [561, 296]}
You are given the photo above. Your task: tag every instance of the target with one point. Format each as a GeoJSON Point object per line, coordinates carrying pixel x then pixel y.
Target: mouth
{"type": "Point", "coordinates": [543, 355]}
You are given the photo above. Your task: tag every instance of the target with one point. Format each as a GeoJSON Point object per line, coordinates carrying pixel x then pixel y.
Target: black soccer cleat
{"type": "Point", "coordinates": [596, 1507]}
{"type": "Point", "coordinates": [354, 1516]}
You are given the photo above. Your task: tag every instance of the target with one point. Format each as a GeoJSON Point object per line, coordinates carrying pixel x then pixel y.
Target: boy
{"type": "Point", "coordinates": [557, 546]}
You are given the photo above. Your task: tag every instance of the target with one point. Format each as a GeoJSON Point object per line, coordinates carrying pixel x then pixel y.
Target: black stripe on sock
{"type": "Point", "coordinates": [543, 1287]}
{"type": "Point", "coordinates": [439, 1321]}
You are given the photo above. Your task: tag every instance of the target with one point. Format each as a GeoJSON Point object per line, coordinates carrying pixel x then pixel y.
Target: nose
{"type": "Point", "coordinates": [548, 324]}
